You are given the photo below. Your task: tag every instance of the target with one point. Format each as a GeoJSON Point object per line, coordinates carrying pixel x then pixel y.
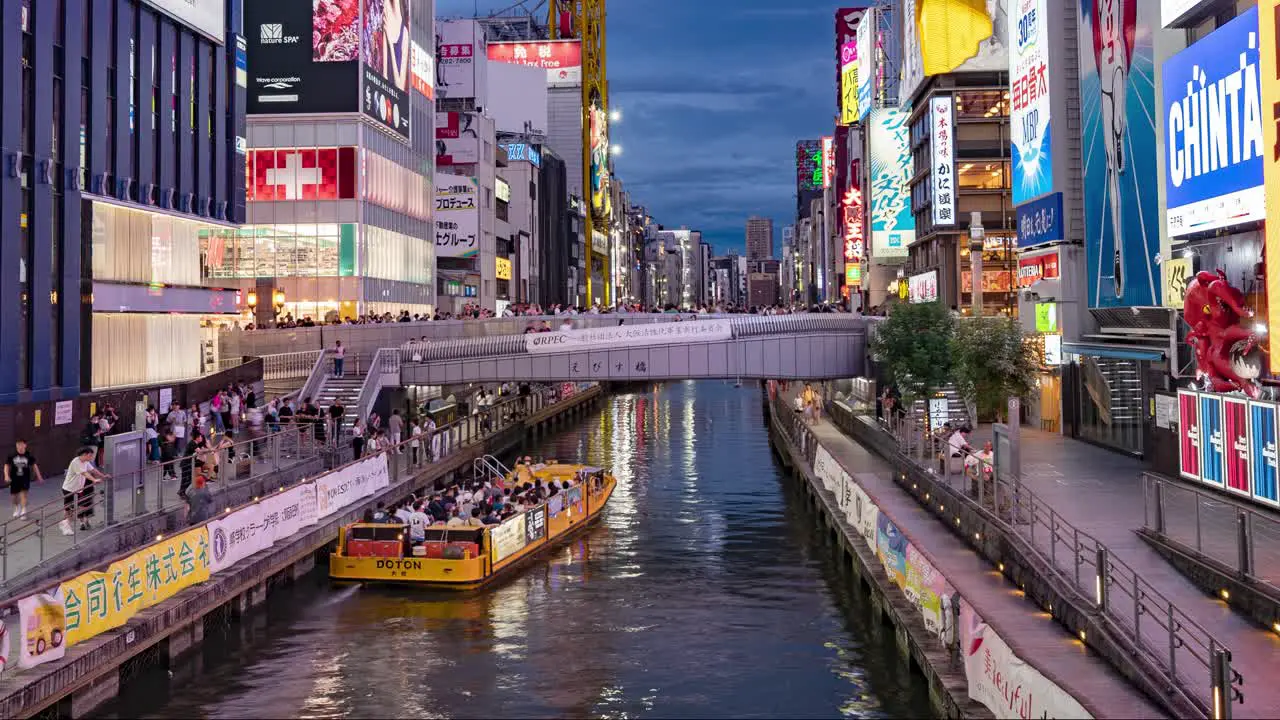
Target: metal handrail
{"type": "Point", "coordinates": [152, 488]}
{"type": "Point", "coordinates": [288, 365]}
{"type": "Point", "coordinates": [315, 379]}
{"type": "Point", "coordinates": [1092, 571]}
{"type": "Point", "coordinates": [386, 360]}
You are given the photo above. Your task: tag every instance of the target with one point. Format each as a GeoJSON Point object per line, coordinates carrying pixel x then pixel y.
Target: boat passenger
{"type": "Point", "coordinates": [418, 525]}
{"type": "Point", "coordinates": [436, 507]}
{"type": "Point", "coordinates": [403, 512]}
{"type": "Point", "coordinates": [455, 520]}
{"type": "Point", "coordinates": [367, 517]}
{"type": "Point", "coordinates": [381, 515]}
{"type": "Point", "coordinates": [475, 519]}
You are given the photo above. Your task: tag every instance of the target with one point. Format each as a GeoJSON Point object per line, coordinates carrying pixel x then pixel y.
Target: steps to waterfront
{"type": "Point", "coordinates": [344, 389]}
{"type": "Point", "coordinates": [1031, 633]}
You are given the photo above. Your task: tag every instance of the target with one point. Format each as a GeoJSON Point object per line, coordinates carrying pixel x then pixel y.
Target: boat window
{"type": "Point", "coordinates": [438, 534]}
{"type": "Point", "coordinates": [377, 532]}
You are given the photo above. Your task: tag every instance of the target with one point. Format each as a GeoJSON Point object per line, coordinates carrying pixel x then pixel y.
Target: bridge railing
{"type": "Point", "coordinates": [743, 326]}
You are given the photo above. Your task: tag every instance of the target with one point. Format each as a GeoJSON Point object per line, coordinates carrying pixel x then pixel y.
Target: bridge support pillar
{"type": "Point", "coordinates": [105, 688]}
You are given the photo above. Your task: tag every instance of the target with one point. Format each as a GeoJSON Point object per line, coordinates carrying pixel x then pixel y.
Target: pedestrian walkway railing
{"type": "Point", "coordinates": [384, 370]}
{"type": "Point", "coordinates": [289, 365]}
{"type": "Point", "coordinates": [1214, 526]}
{"type": "Point", "coordinates": [28, 541]}
{"type": "Point", "coordinates": [1170, 644]}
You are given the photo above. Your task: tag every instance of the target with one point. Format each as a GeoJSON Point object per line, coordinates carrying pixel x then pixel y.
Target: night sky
{"type": "Point", "coordinates": [714, 95]}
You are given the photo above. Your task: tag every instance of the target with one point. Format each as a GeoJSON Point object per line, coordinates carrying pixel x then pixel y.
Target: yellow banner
{"type": "Point", "coordinates": [502, 268]}
{"type": "Point", "coordinates": [950, 32]}
{"type": "Point", "coordinates": [1177, 275]}
{"type": "Point", "coordinates": [849, 94]}
{"type": "Point", "coordinates": [1268, 16]}
{"type": "Point", "coordinates": [100, 601]}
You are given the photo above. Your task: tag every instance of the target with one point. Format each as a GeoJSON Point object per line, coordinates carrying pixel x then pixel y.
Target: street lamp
{"type": "Point", "coordinates": [615, 149]}
{"type": "Point", "coordinates": [277, 299]}
{"type": "Point", "coordinates": [615, 116]}
{"type": "Point", "coordinates": [251, 300]}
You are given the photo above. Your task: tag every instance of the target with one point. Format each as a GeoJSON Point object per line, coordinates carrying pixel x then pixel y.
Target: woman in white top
{"type": "Point", "coordinates": [415, 440]}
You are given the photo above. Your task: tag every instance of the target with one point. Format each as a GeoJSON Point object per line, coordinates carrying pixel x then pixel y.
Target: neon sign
{"type": "Point", "coordinates": [853, 238]}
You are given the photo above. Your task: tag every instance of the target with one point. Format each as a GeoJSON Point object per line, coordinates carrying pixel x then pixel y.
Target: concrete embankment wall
{"type": "Point", "coordinates": [922, 652]}
{"type": "Point", "coordinates": [89, 674]}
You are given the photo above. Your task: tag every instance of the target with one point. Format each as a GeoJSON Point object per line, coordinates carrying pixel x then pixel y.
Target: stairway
{"type": "Point", "coordinates": [345, 389]}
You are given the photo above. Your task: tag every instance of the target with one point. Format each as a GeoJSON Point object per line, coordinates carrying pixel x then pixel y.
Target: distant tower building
{"type": "Point", "coordinates": [759, 238]}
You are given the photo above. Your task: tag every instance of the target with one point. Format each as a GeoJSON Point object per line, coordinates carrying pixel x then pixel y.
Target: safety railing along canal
{"type": "Point", "coordinates": [1168, 643]}
{"type": "Point", "coordinates": [28, 541]}
{"type": "Point", "coordinates": [1213, 526]}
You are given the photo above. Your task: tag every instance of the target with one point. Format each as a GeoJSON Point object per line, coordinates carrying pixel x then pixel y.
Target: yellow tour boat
{"type": "Point", "coordinates": [465, 558]}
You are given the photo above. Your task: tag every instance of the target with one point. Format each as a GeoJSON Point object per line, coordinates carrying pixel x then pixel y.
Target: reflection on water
{"type": "Point", "coordinates": [703, 593]}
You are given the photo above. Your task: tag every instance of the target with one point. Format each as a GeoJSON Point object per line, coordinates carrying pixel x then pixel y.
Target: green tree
{"type": "Point", "coordinates": [914, 346]}
{"type": "Point", "coordinates": [991, 363]}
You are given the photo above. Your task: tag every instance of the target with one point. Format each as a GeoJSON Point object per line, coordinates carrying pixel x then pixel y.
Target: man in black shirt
{"type": "Point", "coordinates": [19, 468]}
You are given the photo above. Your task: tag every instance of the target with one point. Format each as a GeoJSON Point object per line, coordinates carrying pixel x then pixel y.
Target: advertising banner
{"type": "Point", "coordinates": [1212, 450]}
{"type": "Point", "coordinates": [1122, 231]}
{"type": "Point", "coordinates": [1172, 10]}
{"type": "Point", "coordinates": [1188, 435]}
{"type": "Point", "coordinates": [846, 33]}
{"type": "Point", "coordinates": [236, 536]}
{"type": "Point", "coordinates": [891, 548]}
{"type": "Point", "coordinates": [292, 510]}
{"type": "Point", "coordinates": [385, 57]}
{"type": "Point", "coordinates": [925, 588]}
{"type": "Point", "coordinates": [1268, 25]}
{"type": "Point", "coordinates": [893, 228]}
{"type": "Point", "coordinates": [862, 513]}
{"type": "Point", "coordinates": [599, 161]}
{"type": "Point", "coordinates": [1032, 270]}
{"type": "Point", "coordinates": [456, 66]}
{"type": "Point", "coordinates": [507, 539]}
{"type": "Point", "coordinates": [866, 32]}
{"type": "Point", "coordinates": [523, 152]}
{"type": "Point", "coordinates": [1213, 139]}
{"type": "Point", "coordinates": [535, 525]}
{"type": "Point", "coordinates": [301, 174]}
{"type": "Point", "coordinates": [457, 142]}
{"type": "Point", "coordinates": [1262, 453]}
{"type": "Point", "coordinates": [849, 110]}
{"type": "Point", "coordinates": [42, 629]}
{"type": "Point", "coordinates": [993, 281]}
{"type": "Point", "coordinates": [305, 56]}
{"type": "Point", "coordinates": [1235, 428]}
{"type": "Point", "coordinates": [911, 73]}
{"type": "Point", "coordinates": [923, 288]}
{"type": "Point", "coordinates": [95, 602]}
{"type": "Point", "coordinates": [942, 174]}
{"type": "Point", "coordinates": [457, 216]}
{"type": "Point", "coordinates": [1040, 221]}
{"type": "Point", "coordinates": [1002, 681]}
{"type": "Point", "coordinates": [627, 336]}
{"type": "Point", "coordinates": [573, 503]}
{"type": "Point", "coordinates": [826, 469]}
{"type": "Point", "coordinates": [207, 16]}
{"type": "Point", "coordinates": [562, 59]}
{"type": "Point", "coordinates": [828, 161]}
{"type": "Point", "coordinates": [422, 70]}
{"type": "Point", "coordinates": [1031, 134]}
{"type": "Point", "coordinates": [1177, 276]}
{"type": "Point", "coordinates": [340, 488]}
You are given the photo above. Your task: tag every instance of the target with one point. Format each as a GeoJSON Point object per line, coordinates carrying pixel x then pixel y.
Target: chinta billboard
{"type": "Point", "coordinates": [1121, 204]}
{"type": "Point", "coordinates": [1213, 126]}
{"type": "Point", "coordinates": [1031, 133]}
{"type": "Point", "coordinates": [893, 228]}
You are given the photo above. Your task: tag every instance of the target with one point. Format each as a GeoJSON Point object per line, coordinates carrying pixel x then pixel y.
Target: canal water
{"type": "Point", "coordinates": [704, 592]}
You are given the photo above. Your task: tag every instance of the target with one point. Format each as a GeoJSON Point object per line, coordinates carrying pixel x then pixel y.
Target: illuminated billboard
{"type": "Point", "coordinates": [1268, 23]}
{"type": "Point", "coordinates": [847, 20]}
{"type": "Point", "coordinates": [849, 83]}
{"type": "Point", "coordinates": [1214, 154]}
{"type": "Point", "coordinates": [562, 59]}
{"type": "Point", "coordinates": [1119, 152]}
{"type": "Point", "coordinates": [893, 228]}
{"type": "Point", "coordinates": [809, 165]}
{"type": "Point", "coordinates": [599, 161]}
{"type": "Point", "coordinates": [828, 160]}
{"type": "Point", "coordinates": [866, 62]}
{"type": "Point", "coordinates": [1031, 133]}
{"type": "Point", "coordinates": [385, 56]}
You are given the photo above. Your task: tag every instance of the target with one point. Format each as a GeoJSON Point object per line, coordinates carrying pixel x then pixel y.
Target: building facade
{"type": "Point", "coordinates": [759, 238]}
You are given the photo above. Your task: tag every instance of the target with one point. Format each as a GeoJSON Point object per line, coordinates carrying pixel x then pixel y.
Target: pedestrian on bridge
{"type": "Point", "coordinates": [18, 471]}
{"type": "Point", "coordinates": [339, 358]}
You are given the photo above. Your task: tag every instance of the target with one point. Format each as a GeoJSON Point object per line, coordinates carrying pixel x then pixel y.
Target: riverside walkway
{"type": "Point", "coordinates": [1029, 631]}
{"type": "Point", "coordinates": [1101, 492]}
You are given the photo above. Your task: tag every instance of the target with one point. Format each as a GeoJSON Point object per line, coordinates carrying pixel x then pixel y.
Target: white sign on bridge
{"type": "Point", "coordinates": [627, 336]}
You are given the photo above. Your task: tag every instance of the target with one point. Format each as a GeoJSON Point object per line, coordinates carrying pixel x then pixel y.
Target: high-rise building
{"type": "Point", "coordinates": [340, 189]}
{"type": "Point", "coordinates": [759, 238]}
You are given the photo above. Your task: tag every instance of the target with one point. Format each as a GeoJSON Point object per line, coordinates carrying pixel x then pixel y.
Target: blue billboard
{"type": "Point", "coordinates": [1213, 131]}
{"type": "Point", "coordinates": [1031, 133]}
{"type": "Point", "coordinates": [1262, 452]}
{"type": "Point", "coordinates": [1040, 221]}
{"type": "Point", "coordinates": [893, 227]}
{"type": "Point", "coordinates": [1211, 444]}
{"type": "Point", "coordinates": [1121, 203]}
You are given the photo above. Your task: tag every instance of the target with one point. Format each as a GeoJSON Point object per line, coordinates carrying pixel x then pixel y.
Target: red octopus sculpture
{"type": "Point", "coordinates": [1214, 309]}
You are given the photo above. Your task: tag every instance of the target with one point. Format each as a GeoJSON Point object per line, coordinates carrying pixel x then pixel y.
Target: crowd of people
{"type": "Point", "coordinates": [475, 502]}
{"type": "Point", "coordinates": [472, 311]}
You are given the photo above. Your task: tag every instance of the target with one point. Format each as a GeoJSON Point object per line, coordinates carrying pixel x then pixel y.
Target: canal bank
{"type": "Point", "coordinates": [88, 671]}
{"type": "Point", "coordinates": [704, 563]}
{"type": "Point", "coordinates": [982, 646]}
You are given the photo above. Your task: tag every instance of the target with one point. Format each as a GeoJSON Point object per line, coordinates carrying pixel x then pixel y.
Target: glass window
{"type": "Point", "coordinates": [983, 175]}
